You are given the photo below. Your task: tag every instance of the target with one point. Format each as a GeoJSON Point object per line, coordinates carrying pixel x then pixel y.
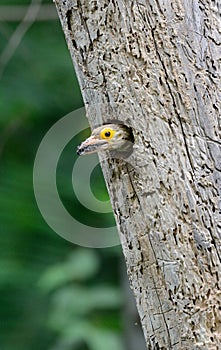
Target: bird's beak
{"type": "Point", "coordinates": [91, 145]}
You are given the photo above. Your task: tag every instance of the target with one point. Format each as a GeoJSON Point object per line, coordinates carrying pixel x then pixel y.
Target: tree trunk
{"type": "Point", "coordinates": [154, 65]}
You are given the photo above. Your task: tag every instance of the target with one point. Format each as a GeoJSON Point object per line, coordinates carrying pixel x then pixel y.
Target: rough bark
{"type": "Point", "coordinates": [155, 66]}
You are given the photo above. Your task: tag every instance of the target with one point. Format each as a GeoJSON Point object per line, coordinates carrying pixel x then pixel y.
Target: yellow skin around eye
{"type": "Point", "coordinates": [107, 134]}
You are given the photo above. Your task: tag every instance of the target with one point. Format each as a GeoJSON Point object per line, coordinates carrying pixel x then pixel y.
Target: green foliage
{"type": "Point", "coordinates": [76, 308]}
{"type": "Point", "coordinates": [53, 295]}
{"type": "Point", "coordinates": [80, 265]}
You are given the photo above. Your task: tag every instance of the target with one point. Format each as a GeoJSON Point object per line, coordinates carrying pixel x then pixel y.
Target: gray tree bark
{"type": "Point", "coordinates": [155, 65]}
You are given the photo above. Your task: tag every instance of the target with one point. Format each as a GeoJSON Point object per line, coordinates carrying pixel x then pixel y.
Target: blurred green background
{"type": "Point", "coordinates": [53, 294]}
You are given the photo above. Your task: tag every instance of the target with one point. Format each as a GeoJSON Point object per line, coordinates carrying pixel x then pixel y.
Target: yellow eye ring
{"type": "Point", "coordinates": [107, 133]}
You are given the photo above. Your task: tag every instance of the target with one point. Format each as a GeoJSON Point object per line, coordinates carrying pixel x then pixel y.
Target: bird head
{"type": "Point", "coordinates": [107, 137]}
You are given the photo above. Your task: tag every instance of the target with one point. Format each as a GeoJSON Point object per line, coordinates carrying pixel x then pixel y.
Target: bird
{"type": "Point", "coordinates": [108, 137]}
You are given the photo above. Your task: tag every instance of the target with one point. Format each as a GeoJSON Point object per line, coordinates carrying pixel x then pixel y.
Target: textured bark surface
{"type": "Point", "coordinates": [155, 65]}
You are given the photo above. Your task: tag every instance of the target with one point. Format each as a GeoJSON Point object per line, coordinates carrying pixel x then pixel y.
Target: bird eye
{"type": "Point", "coordinates": [107, 133]}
